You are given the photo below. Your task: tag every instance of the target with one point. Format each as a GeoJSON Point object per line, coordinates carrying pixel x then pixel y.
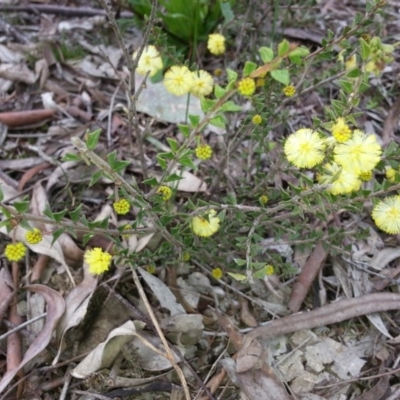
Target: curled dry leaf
{"type": "Point", "coordinates": [55, 309]}
{"type": "Point", "coordinates": [163, 293]}
{"type": "Point", "coordinates": [106, 352]}
{"type": "Point", "coordinates": [76, 304]}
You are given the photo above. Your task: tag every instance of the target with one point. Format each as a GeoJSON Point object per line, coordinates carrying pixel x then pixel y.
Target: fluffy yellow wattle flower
{"type": "Point", "coordinates": [206, 226]}
{"type": "Point", "coordinates": [203, 83]}
{"type": "Point", "coordinates": [341, 181]}
{"type": "Point", "coordinates": [386, 214]}
{"type": "Point", "coordinates": [305, 148]}
{"type": "Point", "coordinates": [178, 80]}
{"type": "Point", "coordinates": [150, 60]}
{"type": "Point", "coordinates": [341, 131]}
{"type": "Point", "coordinates": [99, 261]}
{"type": "Point", "coordinates": [359, 154]}
{"type": "Point", "coordinates": [216, 44]}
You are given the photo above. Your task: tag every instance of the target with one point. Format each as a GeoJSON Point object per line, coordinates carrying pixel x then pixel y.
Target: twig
{"type": "Point", "coordinates": [170, 355]}
{"type": "Point", "coordinates": [61, 10]}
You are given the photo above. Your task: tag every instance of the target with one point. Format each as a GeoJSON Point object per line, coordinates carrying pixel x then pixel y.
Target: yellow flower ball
{"type": "Point", "coordinates": [289, 91]}
{"type": "Point", "coordinates": [305, 148]}
{"type": "Point", "coordinates": [185, 256]}
{"type": "Point", "coordinates": [366, 176]}
{"type": "Point", "coordinates": [269, 269]}
{"type": "Point", "coordinates": [341, 181]}
{"type": "Point", "coordinates": [206, 226]}
{"type": "Point", "coordinates": [263, 200]}
{"type": "Point", "coordinates": [391, 174]}
{"type": "Point", "coordinates": [247, 86]}
{"type": "Point", "coordinates": [203, 83]}
{"type": "Point", "coordinates": [203, 151]}
{"type": "Point", "coordinates": [34, 237]}
{"type": "Point", "coordinates": [341, 131]}
{"type": "Point", "coordinates": [257, 119]}
{"type": "Point", "coordinates": [150, 60]}
{"type": "Point", "coordinates": [359, 154]}
{"type": "Point", "coordinates": [165, 192]}
{"type": "Point", "coordinates": [15, 251]}
{"type": "Point", "coordinates": [216, 44]}
{"type": "Point", "coordinates": [386, 214]}
{"type": "Point", "coordinates": [122, 206]}
{"type": "Point", "coordinates": [178, 80]}
{"type": "Point", "coordinates": [99, 261]}
{"type": "Point", "coordinates": [217, 273]}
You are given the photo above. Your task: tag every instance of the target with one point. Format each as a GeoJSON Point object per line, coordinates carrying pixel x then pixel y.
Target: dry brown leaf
{"type": "Point", "coordinates": [55, 309]}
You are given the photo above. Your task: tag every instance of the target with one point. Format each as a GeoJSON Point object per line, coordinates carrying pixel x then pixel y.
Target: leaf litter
{"type": "Point", "coordinates": [310, 363]}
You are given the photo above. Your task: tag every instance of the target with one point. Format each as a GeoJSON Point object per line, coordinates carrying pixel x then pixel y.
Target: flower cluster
{"type": "Point", "coordinates": [216, 44]}
{"type": "Point", "coordinates": [207, 225]}
{"type": "Point", "coordinates": [122, 206]}
{"type": "Point", "coordinates": [353, 157]}
{"type": "Point", "coordinates": [247, 86]}
{"type": "Point", "coordinates": [217, 273]}
{"type": "Point", "coordinates": [34, 237]}
{"type": "Point", "coordinates": [341, 131]}
{"type": "Point", "coordinates": [257, 119]}
{"type": "Point", "coordinates": [165, 192]}
{"type": "Point", "coordinates": [289, 91]}
{"type": "Point", "coordinates": [15, 251]}
{"type": "Point", "coordinates": [203, 151]}
{"type": "Point", "coordinates": [179, 80]}
{"type": "Point", "coordinates": [99, 261]}
{"type": "Point", "coordinates": [150, 61]}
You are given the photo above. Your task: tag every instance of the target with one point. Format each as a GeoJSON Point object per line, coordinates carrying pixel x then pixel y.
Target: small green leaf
{"type": "Point", "coordinates": [266, 54]}
{"type": "Point", "coordinates": [238, 277]}
{"type": "Point", "coordinates": [184, 129]}
{"type": "Point", "coordinates": [281, 75]}
{"type": "Point", "coordinates": [92, 139]}
{"type": "Point", "coordinates": [71, 157]}
{"type": "Point", "coordinates": [239, 262]}
{"type": "Point", "coordinates": [365, 49]}
{"type": "Point", "coordinates": [226, 11]}
{"type": "Point", "coordinates": [86, 238]}
{"type": "Point", "coordinates": [232, 75]}
{"type": "Point", "coordinates": [1, 194]}
{"type": "Point", "coordinates": [173, 144]}
{"type": "Point", "coordinates": [283, 48]}
{"type": "Point", "coordinates": [56, 234]}
{"type": "Point", "coordinates": [21, 206]}
{"type": "Point", "coordinates": [187, 162]}
{"type": "Point", "coordinates": [218, 121]}
{"type": "Point", "coordinates": [219, 91]}
{"type": "Point", "coordinates": [58, 216]}
{"type": "Point", "coordinates": [25, 224]}
{"type": "Point", "coordinates": [162, 162]}
{"type": "Point", "coordinates": [174, 177]}
{"type": "Point", "coordinates": [206, 104]}
{"type": "Point", "coordinates": [346, 86]}
{"type": "Point", "coordinates": [150, 182]}
{"type": "Point", "coordinates": [230, 106]}
{"type": "Point", "coordinates": [354, 73]}
{"type": "Point", "coordinates": [95, 177]}
{"type": "Point", "coordinates": [248, 68]}
{"type": "Point", "coordinates": [115, 164]}
{"type": "Point", "coordinates": [194, 120]}
{"type": "Point", "coordinates": [76, 213]}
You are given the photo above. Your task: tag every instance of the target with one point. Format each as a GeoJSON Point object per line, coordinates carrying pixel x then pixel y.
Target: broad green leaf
{"type": "Point", "coordinates": [194, 120]}
{"type": "Point", "coordinates": [218, 121]}
{"type": "Point", "coordinates": [71, 157]}
{"type": "Point", "coordinates": [365, 49]}
{"type": "Point", "coordinates": [95, 177]}
{"type": "Point", "coordinates": [173, 144]}
{"type": "Point", "coordinates": [187, 162]}
{"type": "Point", "coordinates": [238, 277]}
{"type": "Point", "coordinates": [354, 73]}
{"type": "Point", "coordinates": [150, 182]}
{"type": "Point", "coordinates": [92, 139]}
{"type": "Point", "coordinates": [184, 129]}
{"type": "Point", "coordinates": [230, 106]}
{"type": "Point", "coordinates": [283, 48]}
{"type": "Point", "coordinates": [266, 54]}
{"type": "Point", "coordinates": [21, 206]}
{"type": "Point", "coordinates": [281, 75]}
{"type": "Point", "coordinates": [248, 68]}
{"type": "Point", "coordinates": [75, 214]}
{"type": "Point", "coordinates": [219, 91]}
{"type": "Point", "coordinates": [232, 75]}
